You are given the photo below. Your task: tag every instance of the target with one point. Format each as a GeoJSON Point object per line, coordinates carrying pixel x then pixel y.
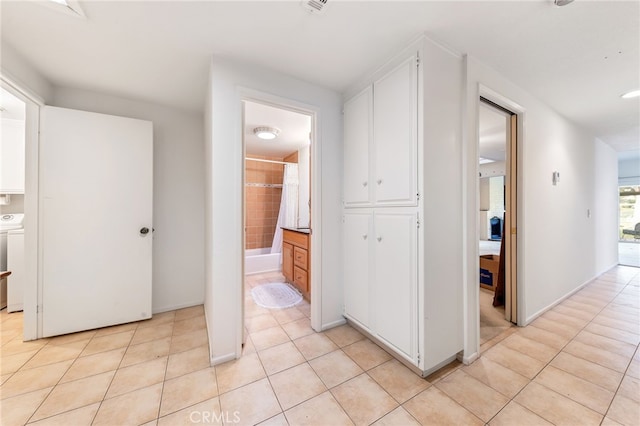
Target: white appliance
{"type": "Point", "coordinates": [8, 222]}
{"type": "Point", "coordinates": [15, 263]}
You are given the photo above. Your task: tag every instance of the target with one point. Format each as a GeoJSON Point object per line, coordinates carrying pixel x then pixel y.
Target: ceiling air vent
{"type": "Point", "coordinates": [314, 6]}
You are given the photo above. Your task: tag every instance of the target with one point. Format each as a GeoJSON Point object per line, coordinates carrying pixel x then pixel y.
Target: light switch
{"type": "Point", "coordinates": [555, 178]}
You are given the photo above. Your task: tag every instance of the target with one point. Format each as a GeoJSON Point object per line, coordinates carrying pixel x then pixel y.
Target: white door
{"type": "Point", "coordinates": [357, 237]}
{"type": "Point", "coordinates": [395, 279]}
{"type": "Point", "coordinates": [96, 187]}
{"type": "Point", "coordinates": [358, 115]}
{"type": "Point", "coordinates": [395, 136]}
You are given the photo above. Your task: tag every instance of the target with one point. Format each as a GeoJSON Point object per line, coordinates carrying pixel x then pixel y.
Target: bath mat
{"type": "Point", "coordinates": [275, 296]}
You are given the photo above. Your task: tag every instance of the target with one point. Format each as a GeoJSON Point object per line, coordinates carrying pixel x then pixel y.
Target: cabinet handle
{"type": "Point", "coordinates": [365, 183]}
{"type": "Point", "coordinates": [364, 237]}
{"type": "Point", "coordinates": [379, 239]}
{"type": "Point", "coordinates": [379, 181]}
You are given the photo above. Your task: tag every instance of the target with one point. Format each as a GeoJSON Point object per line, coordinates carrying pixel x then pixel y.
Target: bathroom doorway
{"type": "Point", "coordinates": [277, 222]}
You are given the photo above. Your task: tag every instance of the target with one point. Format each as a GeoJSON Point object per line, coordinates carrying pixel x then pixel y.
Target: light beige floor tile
{"type": "Point", "coordinates": [207, 412]}
{"type": "Point", "coordinates": [94, 364]}
{"type": "Point", "coordinates": [12, 363]}
{"type": "Point", "coordinates": [314, 345]}
{"type": "Point", "coordinates": [305, 308]}
{"type": "Point", "coordinates": [529, 347]}
{"type": "Point", "coordinates": [254, 403]}
{"type": "Point", "coordinates": [584, 315]}
{"type": "Point", "coordinates": [270, 337]}
{"type": "Point", "coordinates": [72, 395]}
{"type": "Point", "coordinates": [514, 360]}
{"type": "Point", "coordinates": [107, 331]}
{"type": "Point", "coordinates": [260, 322]}
{"type": "Point", "coordinates": [137, 376]}
{"type": "Point", "coordinates": [434, 407]}
{"type": "Point", "coordinates": [71, 338]}
{"type": "Point", "coordinates": [609, 422]}
{"type": "Point", "coordinates": [146, 351]}
{"type": "Point", "coordinates": [504, 380]}
{"type": "Point", "coordinates": [284, 316]}
{"type": "Point", "coordinates": [599, 356]}
{"type": "Point", "coordinates": [624, 411]}
{"type": "Point", "coordinates": [190, 312]}
{"type": "Point", "coordinates": [296, 385]}
{"type": "Point", "coordinates": [248, 347]}
{"type": "Point", "coordinates": [617, 324]}
{"type": "Point", "coordinates": [279, 420]}
{"type": "Point", "coordinates": [133, 408]}
{"type": "Point", "coordinates": [189, 324]}
{"type": "Point", "coordinates": [321, 410]}
{"type": "Point", "coordinates": [158, 319]}
{"type": "Point", "coordinates": [4, 378]}
{"type": "Point", "coordinates": [589, 300]}
{"type": "Point", "coordinates": [586, 393]}
{"type": "Point", "coordinates": [540, 335]}
{"type": "Point", "coordinates": [239, 372]}
{"type": "Point", "coordinates": [587, 370]}
{"type": "Point", "coordinates": [34, 379]}
{"type": "Point", "coordinates": [613, 333]}
{"type": "Point", "coordinates": [556, 408]}
{"type": "Point", "coordinates": [398, 417]}
{"type": "Point", "coordinates": [363, 399]}
{"type": "Point", "coordinates": [551, 326]}
{"type": "Point", "coordinates": [8, 335]}
{"type": "Point", "coordinates": [565, 320]}
{"type": "Point", "coordinates": [252, 310]}
{"type": "Point", "coordinates": [344, 335]}
{"type": "Point", "coordinates": [108, 342]}
{"type": "Point", "coordinates": [187, 390]}
{"type": "Point", "coordinates": [444, 371]}
{"type": "Point", "coordinates": [515, 414]}
{"type": "Point", "coordinates": [472, 394]}
{"type": "Point", "coordinates": [188, 362]}
{"type": "Point", "coordinates": [188, 341]}
{"type": "Point", "coordinates": [366, 354]}
{"type": "Point", "coordinates": [630, 388]}
{"type": "Point", "coordinates": [52, 354]}
{"type": "Point", "coordinates": [581, 306]}
{"type": "Point", "coordinates": [606, 343]}
{"type": "Point", "coordinates": [622, 313]}
{"type": "Point", "coordinates": [18, 410]}
{"type": "Point", "coordinates": [78, 417]}
{"type": "Point", "coordinates": [400, 382]}
{"type": "Point", "coordinates": [281, 357]}
{"type": "Point", "coordinates": [16, 346]}
{"type": "Point", "coordinates": [299, 328]}
{"type": "Point", "coordinates": [335, 368]}
{"type": "Point", "coordinates": [634, 369]}
{"type": "Point", "coordinates": [148, 334]}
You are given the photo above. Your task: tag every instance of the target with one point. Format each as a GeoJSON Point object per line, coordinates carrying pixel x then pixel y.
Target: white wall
{"type": "Point", "coordinates": [224, 164]}
{"type": "Point", "coordinates": [16, 69]}
{"type": "Point", "coordinates": [304, 186]}
{"type": "Point", "coordinates": [557, 242]}
{"type": "Point", "coordinates": [178, 195]}
{"type": "Point", "coordinates": [605, 213]}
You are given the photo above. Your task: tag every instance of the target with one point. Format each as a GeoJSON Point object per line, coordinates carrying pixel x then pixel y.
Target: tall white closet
{"type": "Point", "coordinates": [385, 143]}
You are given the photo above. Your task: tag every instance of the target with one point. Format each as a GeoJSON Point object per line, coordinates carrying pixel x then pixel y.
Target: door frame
{"type": "Point", "coordinates": [32, 320]}
{"type": "Point", "coordinates": [315, 237]}
{"type": "Point", "coordinates": [517, 133]}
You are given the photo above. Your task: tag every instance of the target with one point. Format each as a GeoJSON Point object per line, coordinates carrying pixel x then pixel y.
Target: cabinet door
{"type": "Point", "coordinates": [357, 237]}
{"type": "Point", "coordinates": [396, 289]}
{"type": "Point", "coordinates": [287, 261]}
{"type": "Point", "coordinates": [12, 145]}
{"type": "Point", "coordinates": [357, 134]}
{"type": "Point", "coordinates": [395, 136]}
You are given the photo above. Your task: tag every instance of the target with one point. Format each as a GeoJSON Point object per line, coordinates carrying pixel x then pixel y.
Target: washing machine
{"type": "Point", "coordinates": [8, 222]}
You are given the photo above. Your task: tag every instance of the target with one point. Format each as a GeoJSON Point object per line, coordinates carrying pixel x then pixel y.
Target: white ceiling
{"type": "Point", "coordinates": [294, 130]}
{"type": "Point", "coordinates": [578, 59]}
{"type": "Point", "coordinates": [492, 130]}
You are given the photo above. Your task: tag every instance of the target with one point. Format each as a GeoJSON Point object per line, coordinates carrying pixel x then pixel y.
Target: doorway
{"type": "Point", "coordinates": [277, 221]}
{"type": "Point", "coordinates": [497, 182]}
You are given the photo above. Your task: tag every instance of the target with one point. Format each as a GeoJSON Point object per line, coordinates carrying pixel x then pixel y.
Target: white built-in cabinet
{"type": "Point", "coordinates": [381, 219]}
{"type": "Point", "coordinates": [380, 134]}
{"type": "Point", "coordinates": [12, 154]}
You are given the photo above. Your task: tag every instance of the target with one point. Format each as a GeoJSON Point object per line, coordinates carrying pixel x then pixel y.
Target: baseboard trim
{"type": "Point", "coordinates": [222, 359]}
{"type": "Point", "coordinates": [333, 324]}
{"type": "Point", "coordinates": [176, 307]}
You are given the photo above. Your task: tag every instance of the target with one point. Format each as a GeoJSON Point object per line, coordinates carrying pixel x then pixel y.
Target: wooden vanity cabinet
{"type": "Point", "coordinates": [295, 260]}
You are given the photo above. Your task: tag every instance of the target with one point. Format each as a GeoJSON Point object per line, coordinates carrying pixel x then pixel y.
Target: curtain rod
{"type": "Point", "coordinates": [267, 161]}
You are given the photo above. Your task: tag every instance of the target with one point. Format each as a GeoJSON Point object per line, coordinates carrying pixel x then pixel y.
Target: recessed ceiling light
{"type": "Point", "coordinates": [562, 2]}
{"type": "Point", "coordinates": [631, 94]}
{"type": "Point", "coordinates": [485, 161]}
{"type": "Point", "coordinates": [266, 133]}
{"type": "Point", "coordinates": [62, 2]}
{"type": "Point", "coordinates": [69, 7]}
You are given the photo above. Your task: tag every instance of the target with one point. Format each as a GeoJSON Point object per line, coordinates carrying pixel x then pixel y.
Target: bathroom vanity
{"type": "Point", "coordinates": [296, 265]}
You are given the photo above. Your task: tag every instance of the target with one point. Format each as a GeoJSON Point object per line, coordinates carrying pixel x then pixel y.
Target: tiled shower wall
{"type": "Point", "coordinates": [262, 204]}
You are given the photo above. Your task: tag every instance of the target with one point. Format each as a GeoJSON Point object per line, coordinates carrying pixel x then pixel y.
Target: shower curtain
{"type": "Point", "coordinates": [288, 215]}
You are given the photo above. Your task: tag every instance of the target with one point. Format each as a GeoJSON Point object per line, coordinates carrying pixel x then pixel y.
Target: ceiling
{"type": "Point", "coordinates": [492, 130]}
{"type": "Point", "coordinates": [578, 59]}
{"type": "Point", "coordinates": [294, 130]}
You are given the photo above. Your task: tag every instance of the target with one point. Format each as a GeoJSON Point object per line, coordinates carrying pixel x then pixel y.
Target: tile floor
{"type": "Point", "coordinates": [578, 364]}
{"type": "Point", "coordinates": [492, 322]}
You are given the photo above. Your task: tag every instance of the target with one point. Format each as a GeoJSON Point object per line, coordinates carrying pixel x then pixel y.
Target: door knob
{"type": "Point", "coordinates": [144, 231]}
{"type": "Point", "coordinates": [379, 239]}
{"type": "Point", "coordinates": [364, 237]}
{"type": "Point", "coordinates": [379, 181]}
{"type": "Point", "coordinates": [364, 183]}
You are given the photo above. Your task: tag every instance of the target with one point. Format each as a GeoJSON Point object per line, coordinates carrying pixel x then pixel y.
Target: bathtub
{"type": "Point", "coordinates": [261, 260]}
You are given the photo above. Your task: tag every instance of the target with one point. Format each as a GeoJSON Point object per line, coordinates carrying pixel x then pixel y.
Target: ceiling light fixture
{"type": "Point", "coordinates": [62, 2]}
{"type": "Point", "coordinates": [266, 133]}
{"type": "Point", "coordinates": [562, 2]}
{"type": "Point", "coordinates": [485, 161]}
{"type": "Point", "coordinates": [631, 94]}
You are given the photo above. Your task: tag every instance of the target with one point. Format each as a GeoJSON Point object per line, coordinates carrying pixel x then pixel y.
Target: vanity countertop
{"type": "Point", "coordinates": [300, 230]}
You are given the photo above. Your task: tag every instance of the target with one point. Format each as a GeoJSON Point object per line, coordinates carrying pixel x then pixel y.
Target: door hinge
{"type": "Point", "coordinates": [418, 220]}
{"type": "Point", "coordinates": [418, 196]}
{"type": "Point", "coordinates": [418, 357]}
{"type": "Point", "coordinates": [418, 60]}
{"type": "Point", "coordinates": [38, 309]}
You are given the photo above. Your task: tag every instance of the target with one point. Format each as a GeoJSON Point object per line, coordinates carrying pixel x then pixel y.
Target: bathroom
{"type": "Point", "coordinates": [276, 140]}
